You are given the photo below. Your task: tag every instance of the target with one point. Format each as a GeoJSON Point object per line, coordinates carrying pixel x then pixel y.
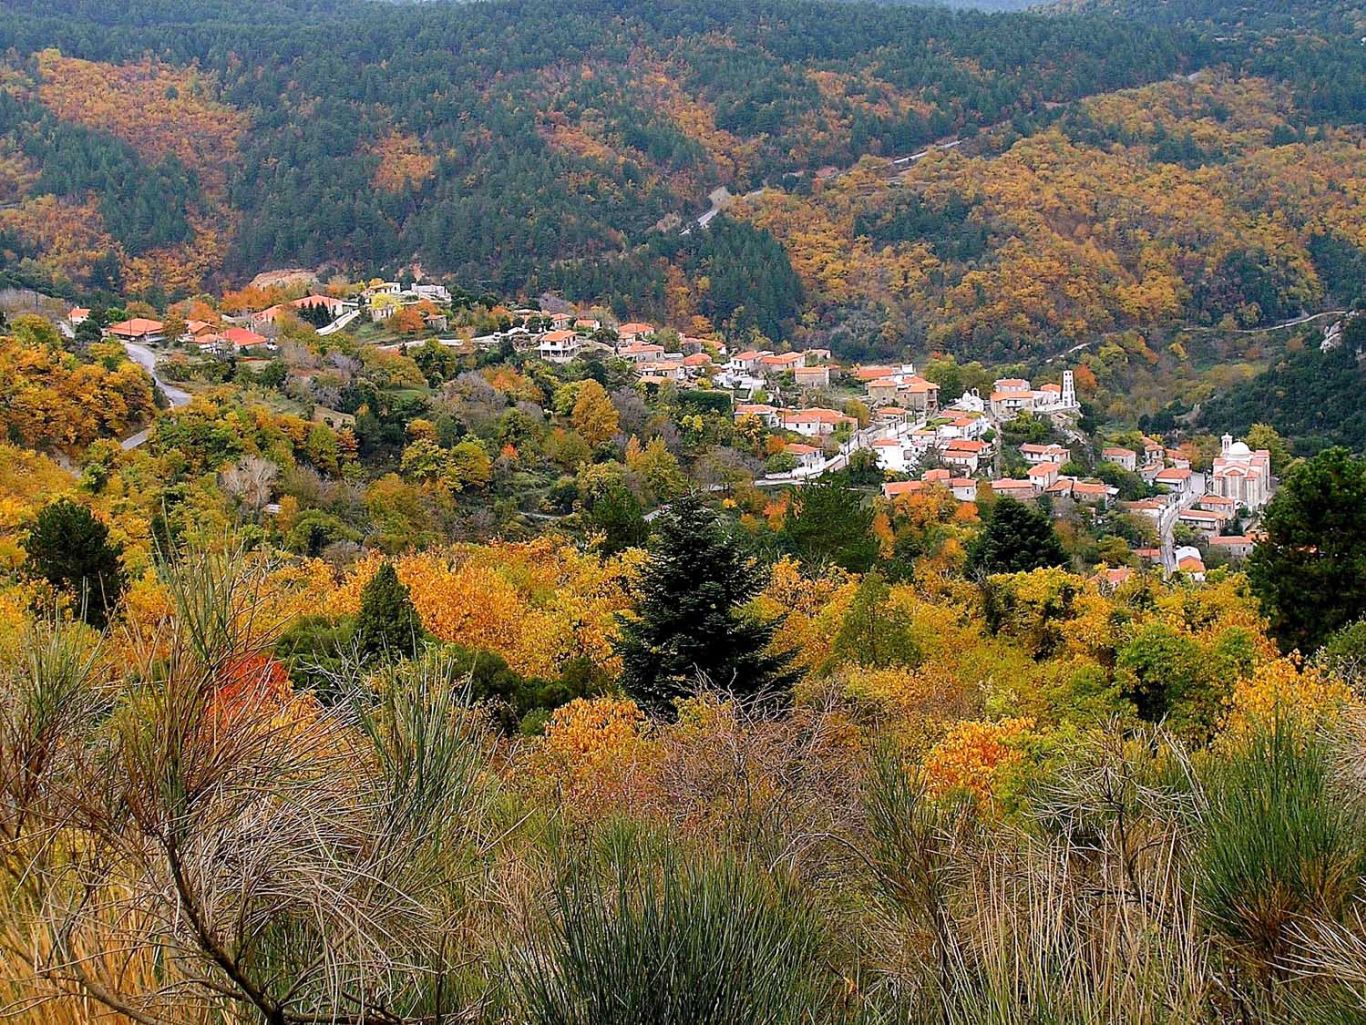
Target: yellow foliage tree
{"type": "Point", "coordinates": [594, 416]}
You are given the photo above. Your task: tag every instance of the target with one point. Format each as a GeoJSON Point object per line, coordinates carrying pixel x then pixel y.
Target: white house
{"type": "Point", "coordinates": [808, 457]}
{"type": "Point", "coordinates": [432, 293]}
{"type": "Point", "coordinates": [1043, 474]}
{"type": "Point", "coordinates": [1036, 454]}
{"type": "Point", "coordinates": [746, 362]}
{"type": "Point", "coordinates": [892, 455]}
{"type": "Point", "coordinates": [1179, 479]}
{"type": "Point", "coordinates": [1188, 561]}
{"type": "Point", "coordinates": [815, 423]}
{"type": "Point", "coordinates": [1126, 458]}
{"type": "Point", "coordinates": [559, 346]}
{"type": "Point", "coordinates": [963, 454]}
{"type": "Point", "coordinates": [769, 416]}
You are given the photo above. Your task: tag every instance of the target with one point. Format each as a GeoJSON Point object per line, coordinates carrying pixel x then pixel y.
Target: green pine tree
{"type": "Point", "coordinates": [830, 523]}
{"type": "Point", "coordinates": [70, 549]}
{"type": "Point", "coordinates": [1016, 538]}
{"type": "Point", "coordinates": [689, 627]}
{"type": "Point", "coordinates": [388, 626]}
{"type": "Point", "coordinates": [1310, 570]}
{"type": "Point", "coordinates": [617, 516]}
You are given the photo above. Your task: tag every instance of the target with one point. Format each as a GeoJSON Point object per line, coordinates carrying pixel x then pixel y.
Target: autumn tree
{"type": "Point", "coordinates": [657, 469]}
{"type": "Point", "coordinates": [70, 549]}
{"type": "Point", "coordinates": [1309, 571]}
{"type": "Point", "coordinates": [174, 327]}
{"type": "Point", "coordinates": [463, 466]}
{"type": "Point", "coordinates": [874, 632]}
{"type": "Point", "coordinates": [593, 415]}
{"type": "Point", "coordinates": [1264, 436]}
{"type": "Point", "coordinates": [1015, 538]}
{"type": "Point", "coordinates": [409, 320]}
{"type": "Point", "coordinates": [689, 627]}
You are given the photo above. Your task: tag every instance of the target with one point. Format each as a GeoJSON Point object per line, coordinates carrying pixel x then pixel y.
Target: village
{"type": "Point", "coordinates": [821, 417]}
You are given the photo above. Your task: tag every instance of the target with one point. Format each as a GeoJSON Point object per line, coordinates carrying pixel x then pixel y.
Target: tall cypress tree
{"type": "Point", "coordinates": [689, 628]}
{"type": "Point", "coordinates": [388, 626]}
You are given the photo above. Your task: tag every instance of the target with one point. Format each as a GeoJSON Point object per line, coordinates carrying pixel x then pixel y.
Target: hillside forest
{"type": "Point", "coordinates": [526, 147]}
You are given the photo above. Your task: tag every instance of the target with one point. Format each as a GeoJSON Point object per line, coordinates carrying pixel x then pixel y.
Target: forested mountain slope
{"type": "Point", "coordinates": [487, 140]}
{"type": "Point", "coordinates": [1201, 202]}
{"type": "Point", "coordinates": [1258, 15]}
{"type": "Point", "coordinates": [1310, 396]}
{"type": "Point", "coordinates": [525, 144]}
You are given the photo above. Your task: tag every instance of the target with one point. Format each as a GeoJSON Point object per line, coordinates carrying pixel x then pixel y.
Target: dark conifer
{"type": "Point", "coordinates": [388, 626]}
{"type": "Point", "coordinates": [689, 627]}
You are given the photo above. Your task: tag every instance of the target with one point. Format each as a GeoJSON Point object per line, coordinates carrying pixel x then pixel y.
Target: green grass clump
{"type": "Point", "coordinates": [701, 941]}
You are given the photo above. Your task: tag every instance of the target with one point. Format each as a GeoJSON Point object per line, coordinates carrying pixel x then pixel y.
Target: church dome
{"type": "Point", "coordinates": [1239, 448]}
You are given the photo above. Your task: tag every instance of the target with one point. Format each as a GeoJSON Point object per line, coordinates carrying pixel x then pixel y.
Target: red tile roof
{"type": "Point", "coordinates": [136, 327]}
{"type": "Point", "coordinates": [903, 487]}
{"type": "Point", "coordinates": [872, 373]}
{"type": "Point", "coordinates": [242, 338]}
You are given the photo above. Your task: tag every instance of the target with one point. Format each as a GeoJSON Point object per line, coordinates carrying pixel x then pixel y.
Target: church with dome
{"type": "Point", "coordinates": [1242, 474]}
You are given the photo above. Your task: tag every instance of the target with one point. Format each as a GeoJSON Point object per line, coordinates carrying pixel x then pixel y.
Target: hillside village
{"type": "Point", "coordinates": [885, 424]}
{"type": "Point", "coordinates": [736, 512]}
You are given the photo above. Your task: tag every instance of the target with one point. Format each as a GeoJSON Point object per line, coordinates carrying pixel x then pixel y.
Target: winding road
{"type": "Point", "coordinates": [898, 163]}
{"type": "Point", "coordinates": [146, 358]}
{"type": "Point", "coordinates": [1304, 318]}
